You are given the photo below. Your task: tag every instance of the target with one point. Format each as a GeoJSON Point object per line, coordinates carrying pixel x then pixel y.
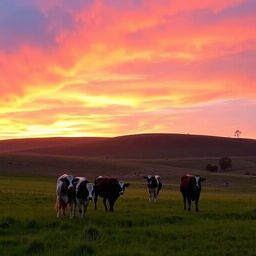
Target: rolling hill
{"type": "Point", "coordinates": [135, 146]}
{"type": "Point", "coordinates": [16, 145]}
{"type": "Point", "coordinates": [132, 156]}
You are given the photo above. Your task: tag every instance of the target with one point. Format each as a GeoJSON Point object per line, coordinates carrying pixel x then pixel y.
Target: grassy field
{"type": "Point", "coordinates": [226, 224]}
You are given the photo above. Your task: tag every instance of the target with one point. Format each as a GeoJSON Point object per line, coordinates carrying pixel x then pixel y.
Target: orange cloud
{"type": "Point", "coordinates": [109, 69]}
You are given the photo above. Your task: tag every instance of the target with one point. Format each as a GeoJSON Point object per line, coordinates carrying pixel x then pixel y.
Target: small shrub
{"type": "Point", "coordinates": [211, 168]}
{"type": "Point", "coordinates": [225, 163]}
{"type": "Point", "coordinates": [91, 233]}
{"type": "Point", "coordinates": [250, 173]}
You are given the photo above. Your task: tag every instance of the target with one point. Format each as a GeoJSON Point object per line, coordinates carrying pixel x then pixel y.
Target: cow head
{"type": "Point", "coordinates": [69, 181]}
{"type": "Point", "coordinates": [196, 182]}
{"type": "Point", "coordinates": [90, 189]}
{"type": "Point", "coordinates": [98, 179]}
{"type": "Point", "coordinates": [152, 180]}
{"type": "Point", "coordinates": [123, 185]}
{"type": "Point", "coordinates": [148, 178]}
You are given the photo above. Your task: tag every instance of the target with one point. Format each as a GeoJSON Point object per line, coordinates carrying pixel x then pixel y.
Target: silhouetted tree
{"type": "Point", "coordinates": [238, 133]}
{"type": "Point", "coordinates": [225, 163]}
{"type": "Point", "coordinates": [211, 168]}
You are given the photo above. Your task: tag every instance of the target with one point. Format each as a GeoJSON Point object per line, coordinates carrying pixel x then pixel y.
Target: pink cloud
{"type": "Point", "coordinates": [128, 63]}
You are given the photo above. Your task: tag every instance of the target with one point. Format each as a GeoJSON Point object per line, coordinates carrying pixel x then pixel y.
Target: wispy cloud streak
{"type": "Point", "coordinates": [88, 68]}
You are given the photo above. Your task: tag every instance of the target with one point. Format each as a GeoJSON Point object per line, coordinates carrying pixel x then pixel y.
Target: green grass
{"type": "Point", "coordinates": [225, 225]}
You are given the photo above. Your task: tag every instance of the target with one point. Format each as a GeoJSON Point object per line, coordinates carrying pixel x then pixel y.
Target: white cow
{"type": "Point", "coordinates": [65, 192]}
{"type": "Point", "coordinates": [84, 193]}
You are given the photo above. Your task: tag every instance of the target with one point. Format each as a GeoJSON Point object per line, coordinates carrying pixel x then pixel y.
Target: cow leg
{"type": "Point", "coordinates": [60, 205]}
{"type": "Point", "coordinates": [81, 210]}
{"type": "Point", "coordinates": [95, 201]}
{"type": "Point", "coordinates": [79, 205]}
{"type": "Point", "coordinates": [72, 210]}
{"type": "Point", "coordinates": [105, 203]}
{"type": "Point", "coordinates": [155, 196]}
{"type": "Point", "coordinates": [111, 204]}
{"type": "Point", "coordinates": [157, 193]}
{"type": "Point", "coordinates": [63, 206]}
{"type": "Point", "coordinates": [150, 195]}
{"type": "Point", "coordinates": [58, 211]}
{"type": "Point", "coordinates": [63, 210]}
{"type": "Point", "coordinates": [189, 203]}
{"type": "Point", "coordinates": [85, 208]}
{"type": "Point", "coordinates": [184, 201]}
{"type": "Point", "coordinates": [196, 203]}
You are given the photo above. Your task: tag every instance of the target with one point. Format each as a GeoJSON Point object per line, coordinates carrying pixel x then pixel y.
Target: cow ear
{"type": "Point", "coordinates": [63, 179]}
{"type": "Point", "coordinates": [145, 177]}
{"type": "Point", "coordinates": [203, 179]}
{"type": "Point", "coordinates": [126, 184]}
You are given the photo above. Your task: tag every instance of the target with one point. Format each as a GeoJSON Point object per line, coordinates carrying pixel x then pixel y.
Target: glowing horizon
{"type": "Point", "coordinates": [105, 68]}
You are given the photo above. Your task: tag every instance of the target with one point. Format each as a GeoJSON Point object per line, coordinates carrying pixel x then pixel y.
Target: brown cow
{"type": "Point", "coordinates": [110, 189]}
{"type": "Point", "coordinates": [190, 188]}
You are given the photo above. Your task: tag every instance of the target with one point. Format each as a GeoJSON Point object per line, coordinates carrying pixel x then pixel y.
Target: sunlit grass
{"type": "Point", "coordinates": [225, 224]}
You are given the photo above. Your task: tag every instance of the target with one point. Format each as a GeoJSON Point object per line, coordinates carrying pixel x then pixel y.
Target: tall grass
{"type": "Point", "coordinates": [225, 225]}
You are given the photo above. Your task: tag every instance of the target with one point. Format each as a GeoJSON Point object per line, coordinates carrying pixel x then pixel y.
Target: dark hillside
{"type": "Point", "coordinates": [156, 146]}
{"type": "Point", "coordinates": [35, 143]}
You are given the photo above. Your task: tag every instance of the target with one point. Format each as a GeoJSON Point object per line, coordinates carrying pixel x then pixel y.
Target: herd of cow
{"type": "Point", "coordinates": [77, 192]}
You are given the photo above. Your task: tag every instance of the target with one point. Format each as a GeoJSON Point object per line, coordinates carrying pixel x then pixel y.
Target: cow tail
{"type": "Point", "coordinates": [56, 205]}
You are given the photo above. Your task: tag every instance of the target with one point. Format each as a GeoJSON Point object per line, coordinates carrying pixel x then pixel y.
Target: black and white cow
{"type": "Point", "coordinates": [109, 189]}
{"type": "Point", "coordinates": [154, 185]}
{"type": "Point", "coordinates": [190, 188]}
{"type": "Point", "coordinates": [65, 192]}
{"type": "Point", "coordinates": [84, 193]}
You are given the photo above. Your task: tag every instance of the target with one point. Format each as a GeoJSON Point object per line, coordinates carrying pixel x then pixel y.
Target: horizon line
{"type": "Point", "coordinates": [125, 135]}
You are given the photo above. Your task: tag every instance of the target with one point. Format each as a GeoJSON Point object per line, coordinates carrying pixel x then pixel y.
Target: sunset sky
{"type": "Point", "coordinates": [115, 67]}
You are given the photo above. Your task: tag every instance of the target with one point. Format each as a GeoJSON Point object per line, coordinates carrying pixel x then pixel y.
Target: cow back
{"type": "Point", "coordinates": [107, 186]}
{"type": "Point", "coordinates": [185, 181]}
{"type": "Point", "coordinates": [102, 181]}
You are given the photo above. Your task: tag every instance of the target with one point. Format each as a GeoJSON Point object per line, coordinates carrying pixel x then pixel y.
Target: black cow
{"type": "Point", "coordinates": [109, 189]}
{"type": "Point", "coordinates": [154, 185]}
{"type": "Point", "coordinates": [84, 193]}
{"type": "Point", "coordinates": [65, 192]}
{"type": "Point", "coordinates": [190, 188]}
